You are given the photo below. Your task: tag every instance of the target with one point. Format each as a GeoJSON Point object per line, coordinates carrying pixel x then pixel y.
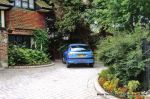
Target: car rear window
{"type": "Point", "coordinates": [79, 48]}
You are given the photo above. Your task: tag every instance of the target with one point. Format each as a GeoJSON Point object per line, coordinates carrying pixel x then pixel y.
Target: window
{"type": "Point", "coordinates": [24, 3]}
{"type": "Point", "coordinates": [31, 4]}
{"type": "Point", "coordinates": [18, 3]}
{"type": "Point", "coordinates": [20, 40]}
{"type": "Point", "coordinates": [79, 48]}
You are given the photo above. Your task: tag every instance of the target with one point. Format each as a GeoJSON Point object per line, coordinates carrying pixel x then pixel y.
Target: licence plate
{"type": "Point", "coordinates": [81, 55]}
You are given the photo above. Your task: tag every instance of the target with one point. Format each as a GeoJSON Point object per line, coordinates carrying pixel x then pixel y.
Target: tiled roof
{"type": "Point", "coordinates": [5, 2]}
{"type": "Point", "coordinates": [42, 4]}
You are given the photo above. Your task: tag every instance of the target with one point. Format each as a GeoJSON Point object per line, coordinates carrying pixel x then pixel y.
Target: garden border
{"type": "Point", "coordinates": [31, 66]}
{"type": "Point", "coordinates": [101, 91]}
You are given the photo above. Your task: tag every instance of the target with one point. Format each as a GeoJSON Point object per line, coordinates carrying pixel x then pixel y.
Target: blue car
{"type": "Point", "coordinates": [78, 54]}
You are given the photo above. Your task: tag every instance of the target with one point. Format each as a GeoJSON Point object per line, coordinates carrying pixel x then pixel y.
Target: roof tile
{"type": "Point", "coordinates": [6, 2]}
{"type": "Point", "coordinates": [42, 4]}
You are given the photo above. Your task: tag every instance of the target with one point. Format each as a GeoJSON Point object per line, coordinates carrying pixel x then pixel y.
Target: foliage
{"type": "Point", "coordinates": [111, 85]}
{"type": "Point", "coordinates": [118, 13]}
{"type": "Point", "coordinates": [133, 85]}
{"type": "Point", "coordinates": [68, 21]}
{"type": "Point", "coordinates": [106, 85]}
{"type": "Point", "coordinates": [114, 87]}
{"type": "Point", "coordinates": [41, 39]}
{"type": "Point", "coordinates": [68, 14]}
{"type": "Point", "coordinates": [24, 56]}
{"type": "Point", "coordinates": [107, 74]}
{"type": "Point", "coordinates": [123, 53]}
{"type": "Point", "coordinates": [102, 80]}
{"type": "Point", "coordinates": [63, 48]}
{"type": "Point", "coordinates": [104, 73]}
{"type": "Point", "coordinates": [120, 92]}
{"type": "Point", "coordinates": [108, 80]}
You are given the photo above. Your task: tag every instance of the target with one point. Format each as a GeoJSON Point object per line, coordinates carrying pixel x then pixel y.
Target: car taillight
{"type": "Point", "coordinates": [69, 53]}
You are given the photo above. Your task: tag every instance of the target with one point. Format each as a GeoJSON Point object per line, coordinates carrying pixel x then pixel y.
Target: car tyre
{"type": "Point", "coordinates": [68, 65]}
{"type": "Point", "coordinates": [91, 65]}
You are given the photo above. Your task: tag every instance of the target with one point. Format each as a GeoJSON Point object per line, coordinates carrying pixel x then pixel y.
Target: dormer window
{"type": "Point", "coordinates": [28, 4]}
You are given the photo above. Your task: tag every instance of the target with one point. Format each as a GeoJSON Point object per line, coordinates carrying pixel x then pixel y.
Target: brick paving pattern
{"type": "Point", "coordinates": [55, 82]}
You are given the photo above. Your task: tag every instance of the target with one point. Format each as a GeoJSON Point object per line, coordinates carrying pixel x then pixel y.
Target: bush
{"type": "Point", "coordinates": [24, 56]}
{"type": "Point", "coordinates": [41, 39]}
{"type": "Point", "coordinates": [107, 74]}
{"type": "Point", "coordinates": [123, 53]}
{"type": "Point", "coordinates": [133, 85]}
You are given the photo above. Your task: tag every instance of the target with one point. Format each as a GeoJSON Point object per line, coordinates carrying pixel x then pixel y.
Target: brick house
{"type": "Point", "coordinates": [18, 19]}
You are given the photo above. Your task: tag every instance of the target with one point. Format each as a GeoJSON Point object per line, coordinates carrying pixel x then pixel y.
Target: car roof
{"type": "Point", "coordinates": [78, 44]}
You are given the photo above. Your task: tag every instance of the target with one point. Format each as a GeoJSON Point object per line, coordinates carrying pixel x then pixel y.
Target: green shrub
{"type": "Point", "coordinates": [123, 53]}
{"type": "Point", "coordinates": [41, 39]}
{"type": "Point", "coordinates": [107, 74]}
{"type": "Point", "coordinates": [23, 56]}
{"type": "Point", "coordinates": [133, 85]}
{"type": "Point", "coordinates": [104, 73]}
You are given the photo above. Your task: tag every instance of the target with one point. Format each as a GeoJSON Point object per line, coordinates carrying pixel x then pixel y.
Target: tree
{"type": "Point", "coordinates": [68, 14]}
{"type": "Point", "coordinates": [118, 13]}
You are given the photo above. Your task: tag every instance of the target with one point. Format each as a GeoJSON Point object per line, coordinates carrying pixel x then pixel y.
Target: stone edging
{"type": "Point", "coordinates": [101, 91]}
{"type": "Point", "coordinates": [36, 66]}
{"type": "Point", "coordinates": [147, 97]}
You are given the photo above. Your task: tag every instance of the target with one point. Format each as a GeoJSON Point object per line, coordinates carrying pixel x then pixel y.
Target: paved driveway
{"type": "Point", "coordinates": [55, 82]}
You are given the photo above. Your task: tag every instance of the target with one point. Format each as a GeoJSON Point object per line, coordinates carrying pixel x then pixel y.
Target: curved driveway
{"type": "Point", "coordinates": [55, 82]}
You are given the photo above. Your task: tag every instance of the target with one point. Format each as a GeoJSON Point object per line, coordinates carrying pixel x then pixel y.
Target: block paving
{"type": "Point", "coordinates": [54, 82]}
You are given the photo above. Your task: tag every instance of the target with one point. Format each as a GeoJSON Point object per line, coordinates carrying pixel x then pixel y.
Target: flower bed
{"type": "Point", "coordinates": [112, 85]}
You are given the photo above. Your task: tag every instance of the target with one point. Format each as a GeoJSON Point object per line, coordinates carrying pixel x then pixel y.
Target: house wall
{"type": "Point", "coordinates": [23, 21]}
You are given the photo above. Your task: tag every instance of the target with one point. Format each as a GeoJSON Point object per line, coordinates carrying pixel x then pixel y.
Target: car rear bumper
{"type": "Point", "coordinates": [80, 61]}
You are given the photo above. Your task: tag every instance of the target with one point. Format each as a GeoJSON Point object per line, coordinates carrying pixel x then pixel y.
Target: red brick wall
{"type": "Point", "coordinates": [22, 19]}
